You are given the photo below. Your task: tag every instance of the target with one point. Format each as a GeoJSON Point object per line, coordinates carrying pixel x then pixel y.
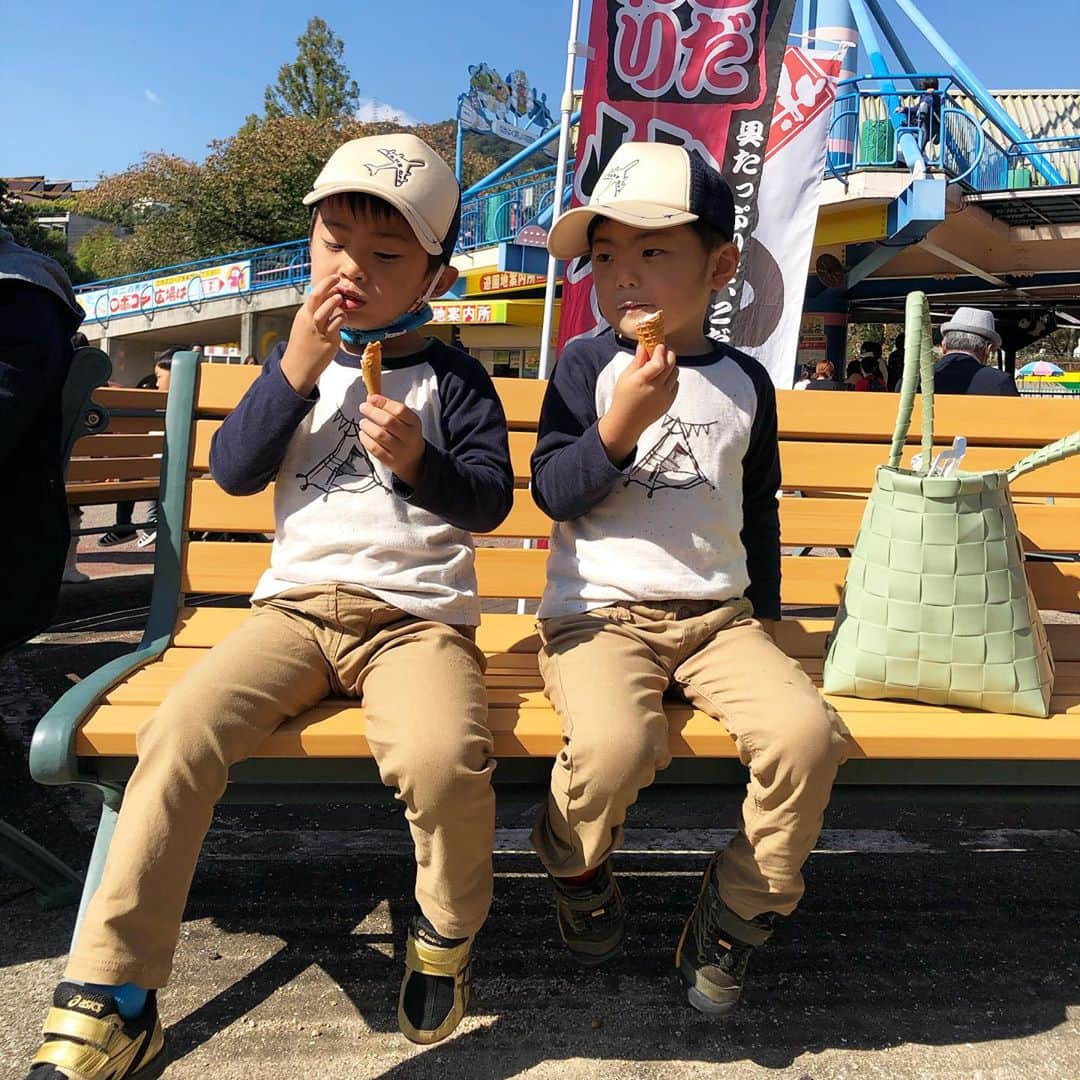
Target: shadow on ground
{"type": "Point", "coordinates": [935, 949]}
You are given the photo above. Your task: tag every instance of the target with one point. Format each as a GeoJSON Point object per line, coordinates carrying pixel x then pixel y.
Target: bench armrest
{"type": "Point", "coordinates": [52, 749]}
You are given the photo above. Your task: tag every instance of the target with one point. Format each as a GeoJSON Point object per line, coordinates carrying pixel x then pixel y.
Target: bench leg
{"type": "Point", "coordinates": [110, 811]}
{"type": "Point", "coordinates": [57, 885]}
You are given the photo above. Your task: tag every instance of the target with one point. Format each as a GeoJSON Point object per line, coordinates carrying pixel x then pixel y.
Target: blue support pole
{"type": "Point", "coordinates": [969, 81]}
{"type": "Point", "coordinates": [907, 146]}
{"type": "Point", "coordinates": [517, 159]}
{"type": "Point", "coordinates": [831, 24]}
{"type": "Point", "coordinates": [878, 64]}
{"type": "Point", "coordinates": [891, 36]}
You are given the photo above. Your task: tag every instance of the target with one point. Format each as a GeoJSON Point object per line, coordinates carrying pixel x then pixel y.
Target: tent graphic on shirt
{"type": "Point", "coordinates": [671, 462]}
{"type": "Point", "coordinates": [346, 468]}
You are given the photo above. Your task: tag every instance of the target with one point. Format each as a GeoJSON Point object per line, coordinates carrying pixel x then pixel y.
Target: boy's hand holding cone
{"type": "Point", "coordinates": [644, 392]}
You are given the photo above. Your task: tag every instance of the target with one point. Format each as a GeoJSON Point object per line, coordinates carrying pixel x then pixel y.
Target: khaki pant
{"type": "Point", "coordinates": [606, 673]}
{"type": "Point", "coordinates": [425, 710]}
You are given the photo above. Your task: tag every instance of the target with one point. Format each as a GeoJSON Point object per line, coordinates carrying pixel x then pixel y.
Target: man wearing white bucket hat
{"type": "Point", "coordinates": [970, 340]}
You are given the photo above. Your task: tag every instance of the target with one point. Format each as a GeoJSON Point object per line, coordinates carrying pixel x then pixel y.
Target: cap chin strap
{"type": "Point", "coordinates": [418, 315]}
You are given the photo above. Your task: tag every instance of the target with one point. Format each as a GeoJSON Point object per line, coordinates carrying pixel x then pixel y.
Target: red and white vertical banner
{"type": "Point", "coordinates": [700, 73]}
{"type": "Point", "coordinates": [777, 259]}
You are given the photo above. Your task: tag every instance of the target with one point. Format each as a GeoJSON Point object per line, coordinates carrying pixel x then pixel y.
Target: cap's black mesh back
{"type": "Point", "coordinates": [450, 239]}
{"type": "Point", "coordinates": [710, 196]}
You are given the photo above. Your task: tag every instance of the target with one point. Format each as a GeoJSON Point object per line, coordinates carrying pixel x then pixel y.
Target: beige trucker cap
{"type": "Point", "coordinates": [648, 186]}
{"type": "Point", "coordinates": [405, 172]}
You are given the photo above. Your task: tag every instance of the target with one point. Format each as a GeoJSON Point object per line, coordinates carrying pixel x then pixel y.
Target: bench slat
{"type": "Point", "coordinates": [202, 627]}
{"type": "Point", "coordinates": [817, 522]}
{"type": "Point", "coordinates": [150, 685]}
{"type": "Point", "coordinates": [87, 470]}
{"type": "Point", "coordinates": [802, 415]}
{"type": "Point", "coordinates": [111, 491]}
{"type": "Point", "coordinates": [235, 569]}
{"type": "Point", "coordinates": [334, 730]}
{"type": "Point", "coordinates": [803, 522]}
{"type": "Point", "coordinates": [985, 421]}
{"type": "Point", "coordinates": [128, 397]}
{"type": "Point", "coordinates": [521, 447]}
{"type": "Point", "coordinates": [133, 425]}
{"type": "Point", "coordinates": [210, 509]}
{"type": "Point", "coordinates": [109, 444]}
{"type": "Point", "coordinates": [836, 466]}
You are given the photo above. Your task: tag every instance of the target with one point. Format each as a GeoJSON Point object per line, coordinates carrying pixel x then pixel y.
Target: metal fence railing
{"type": "Point", "coordinates": [495, 215]}
{"type": "Point", "coordinates": [1063, 152]}
{"type": "Point", "coordinates": [963, 143]}
{"type": "Point", "coordinates": [491, 216]}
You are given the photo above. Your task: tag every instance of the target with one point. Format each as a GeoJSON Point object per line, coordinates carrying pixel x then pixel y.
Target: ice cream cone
{"type": "Point", "coordinates": [371, 367]}
{"type": "Point", "coordinates": [650, 331]}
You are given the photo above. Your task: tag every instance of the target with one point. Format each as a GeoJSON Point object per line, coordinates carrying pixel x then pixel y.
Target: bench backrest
{"type": "Point", "coordinates": [830, 445]}
{"type": "Point", "coordinates": [130, 446]}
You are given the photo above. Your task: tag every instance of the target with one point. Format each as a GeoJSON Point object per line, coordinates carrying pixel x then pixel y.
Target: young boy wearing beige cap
{"type": "Point", "coordinates": [371, 593]}
{"type": "Point", "coordinates": [661, 470]}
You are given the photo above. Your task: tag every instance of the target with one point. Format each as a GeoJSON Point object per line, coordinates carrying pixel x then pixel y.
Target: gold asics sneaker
{"type": "Point", "coordinates": [86, 1038]}
{"type": "Point", "coordinates": [435, 990]}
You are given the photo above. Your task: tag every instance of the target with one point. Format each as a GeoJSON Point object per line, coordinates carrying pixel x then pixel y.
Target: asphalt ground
{"type": "Point", "coordinates": [939, 937]}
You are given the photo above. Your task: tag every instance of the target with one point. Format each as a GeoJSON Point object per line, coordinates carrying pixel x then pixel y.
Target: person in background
{"type": "Point", "coordinates": [805, 375]}
{"type": "Point", "coordinates": [38, 316]}
{"type": "Point", "coordinates": [124, 531]}
{"type": "Point", "coordinates": [251, 358]}
{"type": "Point", "coordinates": [72, 574]}
{"type": "Point", "coordinates": [873, 350]}
{"type": "Point", "coordinates": [853, 373]}
{"type": "Point", "coordinates": [895, 370]}
{"type": "Point", "coordinates": [970, 341]}
{"type": "Point", "coordinates": [925, 113]}
{"type": "Point", "coordinates": [871, 375]}
{"type": "Point", "coordinates": [825, 377]}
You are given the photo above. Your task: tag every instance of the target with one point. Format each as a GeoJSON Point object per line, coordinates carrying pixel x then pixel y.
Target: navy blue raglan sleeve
{"type": "Point", "coordinates": [761, 483]}
{"type": "Point", "coordinates": [469, 482]}
{"type": "Point", "coordinates": [249, 447]}
{"type": "Point", "coordinates": [571, 472]}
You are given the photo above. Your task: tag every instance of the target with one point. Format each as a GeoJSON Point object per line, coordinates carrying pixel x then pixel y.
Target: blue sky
{"type": "Point", "coordinates": [99, 85]}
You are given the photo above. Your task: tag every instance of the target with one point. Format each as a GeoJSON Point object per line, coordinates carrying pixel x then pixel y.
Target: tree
{"type": "Point", "coordinates": [317, 83]}
{"type": "Point", "coordinates": [21, 220]}
{"type": "Point", "coordinates": [247, 193]}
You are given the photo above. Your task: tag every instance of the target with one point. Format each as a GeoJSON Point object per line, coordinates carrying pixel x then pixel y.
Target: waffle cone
{"type": "Point", "coordinates": [650, 331]}
{"type": "Point", "coordinates": [371, 367]}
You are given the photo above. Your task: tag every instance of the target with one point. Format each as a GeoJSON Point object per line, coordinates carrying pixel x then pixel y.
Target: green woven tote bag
{"type": "Point", "coordinates": [936, 605]}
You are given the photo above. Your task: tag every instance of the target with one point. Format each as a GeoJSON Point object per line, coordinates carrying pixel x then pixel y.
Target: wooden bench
{"type": "Point", "coordinates": [123, 460]}
{"type": "Point", "coordinates": [830, 445]}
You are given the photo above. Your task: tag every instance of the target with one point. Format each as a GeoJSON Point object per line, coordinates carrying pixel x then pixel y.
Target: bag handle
{"type": "Point", "coordinates": [1056, 451]}
{"type": "Point", "coordinates": [918, 361]}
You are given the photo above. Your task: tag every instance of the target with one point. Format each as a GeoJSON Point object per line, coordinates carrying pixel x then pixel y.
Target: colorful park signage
{"type": "Point", "coordinates": [495, 313]}
{"type": "Point", "coordinates": [494, 281]}
{"type": "Point", "coordinates": [508, 107]}
{"type": "Point", "coordinates": [140, 297]}
{"type": "Point", "coordinates": [700, 73]}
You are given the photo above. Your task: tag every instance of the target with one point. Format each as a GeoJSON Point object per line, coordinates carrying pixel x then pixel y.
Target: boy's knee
{"type": "Point", "coordinates": [625, 755]}
{"type": "Point", "coordinates": [811, 739]}
{"type": "Point", "coordinates": [435, 772]}
{"type": "Point", "coordinates": [186, 741]}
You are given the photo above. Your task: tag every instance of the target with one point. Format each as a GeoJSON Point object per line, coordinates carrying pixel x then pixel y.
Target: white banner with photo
{"type": "Point", "coordinates": [778, 256]}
